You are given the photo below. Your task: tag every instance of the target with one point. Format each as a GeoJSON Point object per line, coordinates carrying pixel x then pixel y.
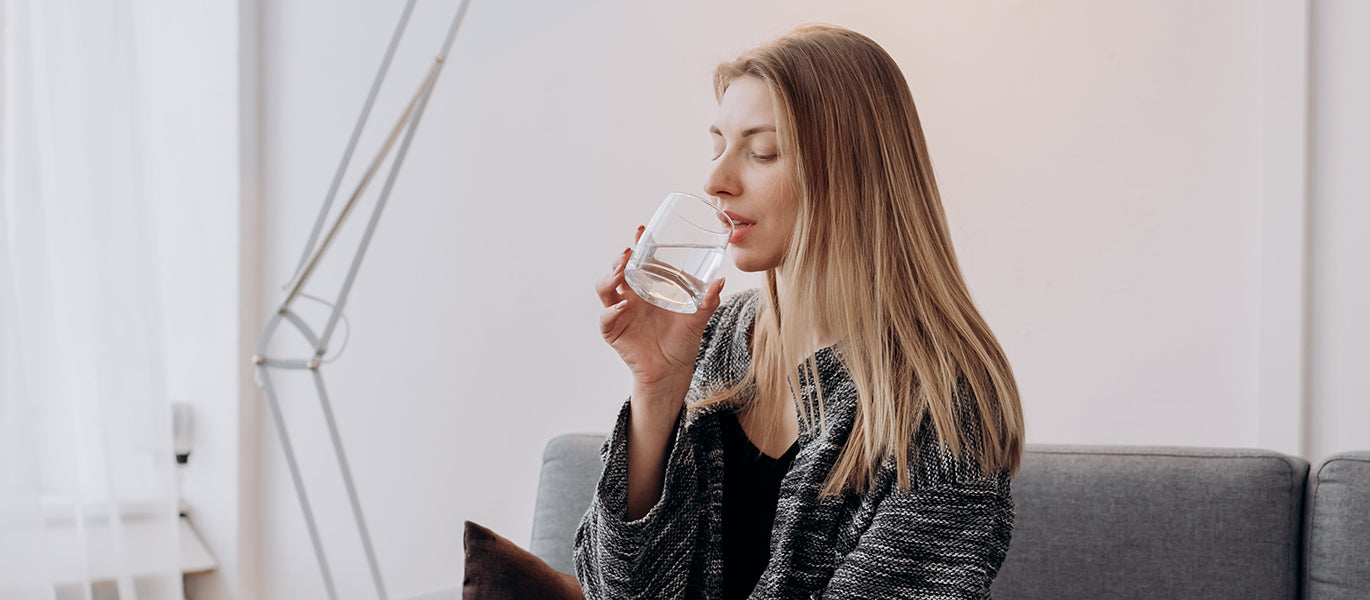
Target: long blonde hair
{"type": "Point", "coordinates": [872, 259]}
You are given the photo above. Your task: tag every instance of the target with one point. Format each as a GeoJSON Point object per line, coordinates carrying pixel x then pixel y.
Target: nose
{"type": "Point", "coordinates": [723, 180]}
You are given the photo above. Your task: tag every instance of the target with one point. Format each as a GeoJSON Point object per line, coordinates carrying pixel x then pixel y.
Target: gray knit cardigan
{"type": "Point", "coordinates": [945, 538]}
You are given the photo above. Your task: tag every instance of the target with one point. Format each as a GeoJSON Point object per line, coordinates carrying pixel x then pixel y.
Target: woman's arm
{"type": "Point", "coordinates": [650, 556]}
{"type": "Point", "coordinates": [943, 538]}
{"type": "Point", "coordinates": [946, 541]}
{"type": "Point", "coordinates": [644, 529]}
{"type": "Point", "coordinates": [651, 425]}
{"type": "Point", "coordinates": [660, 349]}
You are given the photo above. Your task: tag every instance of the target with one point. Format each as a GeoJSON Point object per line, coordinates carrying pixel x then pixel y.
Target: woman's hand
{"type": "Point", "coordinates": [659, 346]}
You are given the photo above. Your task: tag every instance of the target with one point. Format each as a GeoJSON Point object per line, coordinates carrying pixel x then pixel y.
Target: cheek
{"type": "Point", "coordinates": [780, 194]}
{"type": "Point", "coordinates": [787, 207]}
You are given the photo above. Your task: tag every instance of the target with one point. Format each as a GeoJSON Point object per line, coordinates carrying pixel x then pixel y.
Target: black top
{"type": "Point", "coordinates": [751, 488]}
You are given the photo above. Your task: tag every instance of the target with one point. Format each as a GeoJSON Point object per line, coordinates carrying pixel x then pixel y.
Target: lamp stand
{"type": "Point", "coordinates": [265, 364]}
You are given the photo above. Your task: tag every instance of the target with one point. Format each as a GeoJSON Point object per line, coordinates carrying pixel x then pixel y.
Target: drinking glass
{"type": "Point", "coordinates": [679, 252]}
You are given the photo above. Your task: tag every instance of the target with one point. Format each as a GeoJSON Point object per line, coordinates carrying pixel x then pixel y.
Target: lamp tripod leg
{"type": "Point", "coordinates": [351, 489]}
{"type": "Point", "coordinates": [270, 390]}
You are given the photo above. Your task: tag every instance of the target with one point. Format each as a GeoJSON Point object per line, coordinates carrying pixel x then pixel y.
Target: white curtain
{"type": "Point", "coordinates": [87, 488]}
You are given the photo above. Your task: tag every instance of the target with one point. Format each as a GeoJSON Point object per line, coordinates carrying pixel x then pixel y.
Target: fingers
{"type": "Point", "coordinates": [607, 287]}
{"type": "Point", "coordinates": [610, 325]}
{"type": "Point", "coordinates": [611, 288]}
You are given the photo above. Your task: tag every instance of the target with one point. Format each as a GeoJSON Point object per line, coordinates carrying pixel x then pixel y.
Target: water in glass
{"type": "Point", "coordinates": [662, 274]}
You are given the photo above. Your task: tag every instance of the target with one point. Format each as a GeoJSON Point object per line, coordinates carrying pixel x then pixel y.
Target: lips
{"type": "Point", "coordinates": [740, 234]}
{"type": "Point", "coordinates": [738, 220]}
{"type": "Point", "coordinates": [742, 226]}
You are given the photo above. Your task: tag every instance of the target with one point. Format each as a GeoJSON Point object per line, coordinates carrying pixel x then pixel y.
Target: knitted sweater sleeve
{"type": "Point", "coordinates": [943, 542]}
{"type": "Point", "coordinates": [648, 557]}
{"type": "Point", "coordinates": [944, 538]}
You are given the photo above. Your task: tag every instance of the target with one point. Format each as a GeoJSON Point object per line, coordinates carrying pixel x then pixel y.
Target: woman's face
{"type": "Point", "coordinates": [753, 181]}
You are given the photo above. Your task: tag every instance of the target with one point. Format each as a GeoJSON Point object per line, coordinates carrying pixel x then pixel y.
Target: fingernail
{"type": "Point", "coordinates": [628, 249]}
{"type": "Point", "coordinates": [641, 228]}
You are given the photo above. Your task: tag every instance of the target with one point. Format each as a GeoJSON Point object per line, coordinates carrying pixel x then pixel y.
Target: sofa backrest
{"type": "Point", "coordinates": [1123, 522]}
{"type": "Point", "coordinates": [1338, 530]}
{"type": "Point", "coordinates": [570, 470]}
{"type": "Point", "coordinates": [1092, 522]}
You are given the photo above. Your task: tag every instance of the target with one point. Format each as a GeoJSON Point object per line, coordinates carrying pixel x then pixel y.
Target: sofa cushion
{"type": "Point", "coordinates": [497, 569]}
{"type": "Point", "coordinates": [1338, 530]}
{"type": "Point", "coordinates": [1121, 522]}
{"type": "Point", "coordinates": [570, 469]}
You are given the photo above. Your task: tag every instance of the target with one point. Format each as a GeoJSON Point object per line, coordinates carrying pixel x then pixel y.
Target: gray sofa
{"type": "Point", "coordinates": [1120, 522]}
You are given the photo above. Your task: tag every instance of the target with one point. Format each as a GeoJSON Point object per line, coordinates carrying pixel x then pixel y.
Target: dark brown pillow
{"type": "Point", "coordinates": [497, 569]}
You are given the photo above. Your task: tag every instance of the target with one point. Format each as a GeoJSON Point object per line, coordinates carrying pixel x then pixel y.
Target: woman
{"type": "Point", "coordinates": [849, 432]}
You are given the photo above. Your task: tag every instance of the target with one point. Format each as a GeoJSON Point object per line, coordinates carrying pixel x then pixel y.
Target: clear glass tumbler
{"type": "Point", "coordinates": [679, 252]}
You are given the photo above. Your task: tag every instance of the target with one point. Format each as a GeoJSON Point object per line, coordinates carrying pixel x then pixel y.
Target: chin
{"type": "Point", "coordinates": [750, 263]}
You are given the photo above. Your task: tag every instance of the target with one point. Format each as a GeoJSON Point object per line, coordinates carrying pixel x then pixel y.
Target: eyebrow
{"type": "Point", "coordinates": [747, 133]}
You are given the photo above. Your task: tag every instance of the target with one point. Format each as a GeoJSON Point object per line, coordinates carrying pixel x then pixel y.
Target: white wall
{"type": "Point", "coordinates": [1103, 167]}
{"type": "Point", "coordinates": [1339, 329]}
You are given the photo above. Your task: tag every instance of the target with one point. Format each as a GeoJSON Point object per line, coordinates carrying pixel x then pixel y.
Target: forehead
{"type": "Point", "coordinates": [747, 103]}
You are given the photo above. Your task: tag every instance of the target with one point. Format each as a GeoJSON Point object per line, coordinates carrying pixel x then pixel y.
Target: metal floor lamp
{"type": "Point", "coordinates": [407, 124]}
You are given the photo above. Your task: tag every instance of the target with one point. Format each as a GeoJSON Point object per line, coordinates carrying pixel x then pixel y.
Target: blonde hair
{"type": "Point", "coordinates": [871, 258]}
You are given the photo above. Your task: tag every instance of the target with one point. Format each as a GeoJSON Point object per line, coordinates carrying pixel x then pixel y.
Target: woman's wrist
{"type": "Point", "coordinates": [657, 405]}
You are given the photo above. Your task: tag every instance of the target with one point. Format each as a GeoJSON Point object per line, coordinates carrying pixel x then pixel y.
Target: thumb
{"type": "Point", "coordinates": [712, 298]}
